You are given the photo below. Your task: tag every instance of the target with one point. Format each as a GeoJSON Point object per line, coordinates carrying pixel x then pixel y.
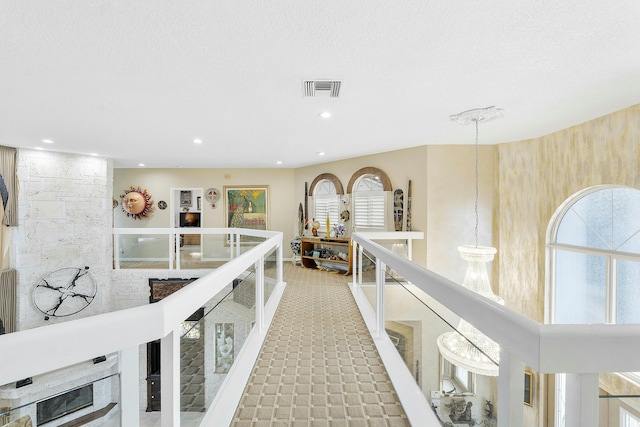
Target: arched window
{"type": "Point", "coordinates": [594, 255]}
{"type": "Point", "coordinates": [594, 264]}
{"type": "Point", "coordinates": [369, 201]}
{"type": "Point", "coordinates": [326, 203]}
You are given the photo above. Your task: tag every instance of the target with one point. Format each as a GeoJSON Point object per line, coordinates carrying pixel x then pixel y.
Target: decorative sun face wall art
{"type": "Point", "coordinates": [137, 203]}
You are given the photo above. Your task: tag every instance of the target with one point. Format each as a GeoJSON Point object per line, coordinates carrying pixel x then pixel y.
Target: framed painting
{"type": "Point", "coordinates": [247, 207]}
{"type": "Point", "coordinates": [161, 288]}
{"type": "Point", "coordinates": [528, 388]}
{"type": "Point", "coordinates": [185, 198]}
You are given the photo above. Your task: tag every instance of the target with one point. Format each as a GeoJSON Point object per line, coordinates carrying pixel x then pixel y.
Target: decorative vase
{"type": "Point", "coordinates": [295, 245]}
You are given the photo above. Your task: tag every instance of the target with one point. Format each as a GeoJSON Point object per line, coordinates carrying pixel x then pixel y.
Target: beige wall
{"type": "Point", "coordinates": [534, 177]}
{"type": "Point", "coordinates": [443, 194]}
{"type": "Point", "coordinates": [159, 183]}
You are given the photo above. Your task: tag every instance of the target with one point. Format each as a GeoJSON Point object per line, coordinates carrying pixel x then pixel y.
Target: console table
{"type": "Point", "coordinates": [326, 254]}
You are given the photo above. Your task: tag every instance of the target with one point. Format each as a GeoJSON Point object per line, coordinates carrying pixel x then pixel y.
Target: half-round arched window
{"type": "Point", "coordinates": [326, 203]}
{"type": "Point", "coordinates": [369, 202]}
{"type": "Point", "coordinates": [594, 258]}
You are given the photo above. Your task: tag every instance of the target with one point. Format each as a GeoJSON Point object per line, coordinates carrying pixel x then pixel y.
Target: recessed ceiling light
{"type": "Point", "coordinates": [47, 141]}
{"type": "Point", "coordinates": [279, 162]}
{"type": "Point", "coordinates": [325, 114]}
{"type": "Point", "coordinates": [141, 164]}
{"type": "Point", "coordinates": [93, 154]}
{"type": "Point", "coordinates": [197, 141]}
{"type": "Point", "coordinates": [320, 153]}
{"type": "Point", "coordinates": [39, 148]}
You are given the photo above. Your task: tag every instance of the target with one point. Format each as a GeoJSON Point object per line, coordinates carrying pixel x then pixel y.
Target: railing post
{"type": "Point", "coordinates": [259, 265]}
{"type": "Point", "coordinates": [279, 262]}
{"type": "Point", "coordinates": [360, 249]}
{"type": "Point", "coordinates": [581, 401]}
{"type": "Point", "coordinates": [380, 275]}
{"type": "Point", "coordinates": [174, 249]}
{"type": "Point", "coordinates": [510, 391]}
{"type": "Point", "coordinates": [128, 363]}
{"type": "Point", "coordinates": [354, 263]}
{"type": "Point", "coordinates": [170, 380]}
{"type": "Point", "coordinates": [116, 252]}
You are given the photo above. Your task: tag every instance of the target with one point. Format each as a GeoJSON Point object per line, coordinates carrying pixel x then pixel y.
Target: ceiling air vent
{"type": "Point", "coordinates": [316, 88]}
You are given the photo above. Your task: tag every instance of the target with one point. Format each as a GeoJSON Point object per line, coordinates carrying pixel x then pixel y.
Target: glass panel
{"type": "Point", "coordinates": [595, 209]}
{"type": "Point", "coordinates": [270, 273]}
{"type": "Point", "coordinates": [628, 292]}
{"type": "Point", "coordinates": [580, 288]}
{"type": "Point", "coordinates": [417, 325]}
{"type": "Point", "coordinates": [631, 245]}
{"type": "Point", "coordinates": [143, 250]}
{"type": "Point", "coordinates": [574, 230]}
{"type": "Point", "coordinates": [215, 250]}
{"type": "Point", "coordinates": [619, 401]}
{"type": "Point", "coordinates": [212, 338]}
{"type": "Point", "coordinates": [67, 399]}
{"type": "Point", "coordinates": [626, 218]}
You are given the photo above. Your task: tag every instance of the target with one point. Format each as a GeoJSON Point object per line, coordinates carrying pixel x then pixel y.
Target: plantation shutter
{"type": "Point", "coordinates": [369, 210]}
{"type": "Point", "coordinates": [326, 205]}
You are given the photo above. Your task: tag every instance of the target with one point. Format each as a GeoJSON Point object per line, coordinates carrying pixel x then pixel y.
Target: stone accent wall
{"type": "Point", "coordinates": [65, 220]}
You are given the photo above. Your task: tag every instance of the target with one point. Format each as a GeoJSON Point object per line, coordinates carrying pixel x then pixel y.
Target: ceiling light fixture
{"type": "Point", "coordinates": [197, 141]}
{"type": "Point", "coordinates": [467, 347]}
{"type": "Point", "coordinates": [320, 153]}
{"type": "Point", "coordinates": [279, 162]}
{"type": "Point", "coordinates": [325, 114]}
{"type": "Point", "coordinates": [47, 141]}
{"type": "Point", "coordinates": [141, 164]}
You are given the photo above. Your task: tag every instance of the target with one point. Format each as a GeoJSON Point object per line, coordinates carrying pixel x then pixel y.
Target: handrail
{"type": "Point", "coordinates": [75, 341]}
{"type": "Point", "coordinates": [546, 348]}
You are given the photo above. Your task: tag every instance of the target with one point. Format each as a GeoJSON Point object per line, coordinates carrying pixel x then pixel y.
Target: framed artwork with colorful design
{"type": "Point", "coordinates": [247, 207]}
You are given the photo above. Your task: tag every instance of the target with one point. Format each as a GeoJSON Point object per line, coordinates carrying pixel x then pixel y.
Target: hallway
{"type": "Point", "coordinates": [318, 365]}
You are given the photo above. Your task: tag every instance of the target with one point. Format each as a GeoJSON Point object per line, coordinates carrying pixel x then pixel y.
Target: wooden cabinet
{"type": "Point", "coordinates": [333, 255]}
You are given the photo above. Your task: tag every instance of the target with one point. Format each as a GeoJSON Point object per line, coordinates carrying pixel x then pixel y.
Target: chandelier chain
{"type": "Point", "coordinates": [477, 179]}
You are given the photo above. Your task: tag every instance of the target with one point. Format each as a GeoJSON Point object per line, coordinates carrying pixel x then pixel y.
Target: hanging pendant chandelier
{"type": "Point", "coordinates": [467, 347]}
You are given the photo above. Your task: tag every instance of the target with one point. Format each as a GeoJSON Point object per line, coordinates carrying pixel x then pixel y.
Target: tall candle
{"type": "Point", "coordinates": [328, 234]}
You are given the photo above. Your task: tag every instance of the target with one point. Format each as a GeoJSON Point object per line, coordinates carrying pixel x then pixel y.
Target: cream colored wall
{"type": "Point", "coordinates": [159, 183]}
{"type": "Point", "coordinates": [443, 193]}
{"type": "Point", "coordinates": [442, 204]}
{"type": "Point", "coordinates": [450, 196]}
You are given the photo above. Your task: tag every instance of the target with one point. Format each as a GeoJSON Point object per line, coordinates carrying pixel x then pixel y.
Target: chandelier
{"type": "Point", "coordinates": [467, 347]}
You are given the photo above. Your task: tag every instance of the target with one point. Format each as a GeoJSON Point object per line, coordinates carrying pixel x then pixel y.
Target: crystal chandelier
{"type": "Point", "coordinates": [467, 347]}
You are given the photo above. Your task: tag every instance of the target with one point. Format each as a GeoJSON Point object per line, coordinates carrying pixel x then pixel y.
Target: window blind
{"type": "Point", "coordinates": [369, 210]}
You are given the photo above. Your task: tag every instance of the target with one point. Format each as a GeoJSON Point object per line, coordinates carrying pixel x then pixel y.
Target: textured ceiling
{"type": "Point", "coordinates": [137, 81]}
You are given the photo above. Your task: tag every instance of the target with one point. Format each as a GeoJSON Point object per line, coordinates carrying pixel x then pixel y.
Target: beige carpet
{"type": "Point", "coordinates": [319, 365]}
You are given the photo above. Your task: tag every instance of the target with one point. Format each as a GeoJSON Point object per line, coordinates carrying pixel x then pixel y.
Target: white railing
{"type": "Point", "coordinates": [581, 351]}
{"type": "Point", "coordinates": [162, 244]}
{"type": "Point", "coordinates": [45, 349]}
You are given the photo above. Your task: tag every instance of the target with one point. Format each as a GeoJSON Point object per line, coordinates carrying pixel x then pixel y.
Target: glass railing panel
{"type": "Point", "coordinates": [420, 327]}
{"type": "Point", "coordinates": [248, 242]}
{"type": "Point", "coordinates": [270, 273]}
{"type": "Point", "coordinates": [143, 250]}
{"type": "Point", "coordinates": [216, 249]}
{"type": "Point", "coordinates": [619, 398]}
{"type": "Point", "coordinates": [415, 324]}
{"type": "Point", "coordinates": [203, 251]}
{"type": "Point", "coordinates": [67, 399]}
{"type": "Point", "coordinates": [210, 340]}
